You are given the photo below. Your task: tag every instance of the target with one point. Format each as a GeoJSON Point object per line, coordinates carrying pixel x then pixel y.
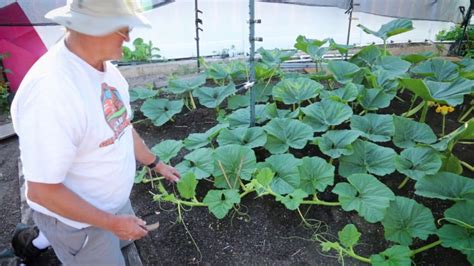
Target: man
{"type": "Point", "coordinates": [78, 148]}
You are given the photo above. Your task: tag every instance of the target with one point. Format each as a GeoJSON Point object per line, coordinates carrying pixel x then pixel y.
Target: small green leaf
{"type": "Point", "coordinates": [287, 177]}
{"type": "Point", "coordinates": [241, 117]}
{"type": "Point", "coordinates": [167, 149]}
{"type": "Point", "coordinates": [213, 97]}
{"type": "Point", "coordinates": [293, 200]}
{"type": "Point", "coordinates": [368, 158]}
{"type": "Point", "coordinates": [367, 56]}
{"type": "Point", "coordinates": [140, 175]}
{"type": "Point", "coordinates": [220, 202]}
{"type": "Point", "coordinates": [343, 71]}
{"type": "Point", "coordinates": [377, 128]}
{"type": "Point", "coordinates": [391, 28]}
{"type": "Point", "coordinates": [187, 186]}
{"type": "Point", "coordinates": [265, 176]}
{"type": "Point", "coordinates": [366, 195]}
{"type": "Point", "coordinates": [437, 70]}
{"type": "Point", "coordinates": [406, 219]}
{"type": "Point", "coordinates": [459, 235]}
{"type": "Point", "coordinates": [232, 163]}
{"type": "Point", "coordinates": [393, 256]}
{"type": "Point", "coordinates": [322, 115]}
{"type": "Point", "coordinates": [295, 91]}
{"type": "Point", "coordinates": [374, 99]}
{"type": "Point", "coordinates": [409, 132]}
{"type": "Point", "coordinates": [141, 93]}
{"type": "Point", "coordinates": [345, 94]}
{"type": "Point", "coordinates": [315, 174]}
{"type": "Point", "coordinates": [446, 186]}
{"type": "Point", "coordinates": [179, 86]}
{"type": "Point", "coordinates": [160, 111]}
{"type": "Point", "coordinates": [335, 143]}
{"type": "Point", "coordinates": [198, 140]}
{"type": "Point", "coordinates": [283, 133]}
{"type": "Point", "coordinates": [349, 236]}
{"type": "Point", "coordinates": [416, 162]}
{"type": "Point", "coordinates": [199, 162]}
{"type": "Point", "coordinates": [250, 137]}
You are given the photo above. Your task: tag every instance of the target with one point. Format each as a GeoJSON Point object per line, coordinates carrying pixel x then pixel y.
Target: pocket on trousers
{"type": "Point", "coordinates": [73, 240]}
{"type": "Point", "coordinates": [76, 247]}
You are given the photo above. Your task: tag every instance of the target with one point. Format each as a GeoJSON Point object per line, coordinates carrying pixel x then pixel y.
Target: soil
{"type": "Point", "coordinates": [267, 233]}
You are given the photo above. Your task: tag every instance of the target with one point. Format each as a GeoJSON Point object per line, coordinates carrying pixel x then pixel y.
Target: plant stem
{"type": "Point", "coordinates": [468, 166]}
{"type": "Point", "coordinates": [355, 256]}
{"type": "Point", "coordinates": [424, 112]}
{"type": "Point", "coordinates": [320, 202]}
{"type": "Point", "coordinates": [461, 119]}
{"type": "Point", "coordinates": [384, 47]}
{"type": "Point", "coordinates": [426, 247]}
{"type": "Point", "coordinates": [444, 125]}
{"type": "Point", "coordinates": [404, 182]}
{"type": "Point", "coordinates": [192, 100]}
{"type": "Point", "coordinates": [191, 203]}
{"type": "Point", "coordinates": [413, 111]}
{"type": "Point", "coordinates": [302, 218]}
{"type": "Point", "coordinates": [139, 121]}
{"type": "Point", "coordinates": [146, 180]}
{"type": "Point", "coordinates": [246, 192]}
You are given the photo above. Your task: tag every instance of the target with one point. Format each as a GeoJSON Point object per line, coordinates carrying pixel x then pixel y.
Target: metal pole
{"type": "Point", "coordinates": [351, 8]}
{"type": "Point", "coordinates": [197, 21]}
{"type": "Point", "coordinates": [252, 59]}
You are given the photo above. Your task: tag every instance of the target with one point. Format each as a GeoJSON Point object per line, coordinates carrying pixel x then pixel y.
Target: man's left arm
{"type": "Point", "coordinates": [146, 157]}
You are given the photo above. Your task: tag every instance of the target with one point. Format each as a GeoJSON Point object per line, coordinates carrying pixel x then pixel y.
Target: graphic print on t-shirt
{"type": "Point", "coordinates": [115, 113]}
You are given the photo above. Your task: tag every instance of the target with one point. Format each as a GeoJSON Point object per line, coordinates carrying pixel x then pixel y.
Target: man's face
{"type": "Point", "coordinates": [112, 43]}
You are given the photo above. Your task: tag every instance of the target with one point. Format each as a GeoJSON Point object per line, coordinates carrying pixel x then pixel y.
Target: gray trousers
{"type": "Point", "coordinates": [86, 246]}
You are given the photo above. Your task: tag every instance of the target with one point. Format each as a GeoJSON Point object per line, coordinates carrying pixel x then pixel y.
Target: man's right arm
{"type": "Point", "coordinates": [61, 200]}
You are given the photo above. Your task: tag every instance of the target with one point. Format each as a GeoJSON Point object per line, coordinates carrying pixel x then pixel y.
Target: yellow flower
{"type": "Point", "coordinates": [444, 109]}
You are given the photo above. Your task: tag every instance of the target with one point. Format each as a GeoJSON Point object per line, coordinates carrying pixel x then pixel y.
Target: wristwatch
{"type": "Point", "coordinates": [154, 163]}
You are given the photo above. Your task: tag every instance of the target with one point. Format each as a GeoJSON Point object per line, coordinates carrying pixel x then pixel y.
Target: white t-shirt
{"type": "Point", "coordinates": [73, 123]}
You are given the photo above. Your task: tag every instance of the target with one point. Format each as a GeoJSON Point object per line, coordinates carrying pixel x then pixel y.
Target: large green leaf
{"type": "Point", "coordinates": [293, 200]}
{"type": "Point", "coordinates": [200, 162]}
{"type": "Point", "coordinates": [287, 177]}
{"type": "Point", "coordinates": [241, 117]}
{"type": "Point", "coordinates": [437, 70]}
{"type": "Point", "coordinates": [167, 149]}
{"type": "Point", "coordinates": [374, 99]}
{"type": "Point", "coordinates": [283, 133]}
{"type": "Point", "coordinates": [187, 186]}
{"type": "Point", "coordinates": [315, 174]}
{"type": "Point", "coordinates": [316, 52]}
{"type": "Point", "coordinates": [368, 158]}
{"type": "Point", "coordinates": [460, 234]}
{"type": "Point", "coordinates": [393, 256]}
{"type": "Point", "coordinates": [345, 94]}
{"type": "Point", "coordinates": [378, 128]}
{"type": "Point", "coordinates": [272, 111]}
{"type": "Point", "coordinates": [335, 143]}
{"type": "Point", "coordinates": [343, 71]}
{"type": "Point", "coordinates": [367, 56]}
{"type": "Point", "coordinates": [366, 195]}
{"type": "Point", "coordinates": [349, 236]}
{"type": "Point", "coordinates": [220, 202]}
{"type": "Point", "coordinates": [341, 48]}
{"type": "Point", "coordinates": [446, 186]}
{"type": "Point", "coordinates": [160, 111]}
{"type": "Point", "coordinates": [389, 29]}
{"type": "Point", "coordinates": [295, 91]}
{"type": "Point", "coordinates": [198, 140]}
{"type": "Point", "coordinates": [249, 137]}
{"type": "Point", "coordinates": [302, 43]}
{"type": "Point", "coordinates": [406, 219]}
{"type": "Point", "coordinates": [419, 57]}
{"type": "Point", "coordinates": [451, 93]}
{"type": "Point", "coordinates": [275, 56]}
{"type": "Point", "coordinates": [409, 132]}
{"type": "Point", "coordinates": [232, 163]}
{"type": "Point", "coordinates": [213, 97]}
{"type": "Point", "coordinates": [321, 115]}
{"type": "Point", "coordinates": [141, 93]}
{"type": "Point", "coordinates": [416, 162]}
{"type": "Point", "coordinates": [393, 66]}
{"type": "Point", "coordinates": [179, 86]}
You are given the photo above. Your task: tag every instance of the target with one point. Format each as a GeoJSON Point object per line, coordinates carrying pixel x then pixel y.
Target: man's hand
{"type": "Point", "coordinates": [128, 227]}
{"type": "Point", "coordinates": [168, 172]}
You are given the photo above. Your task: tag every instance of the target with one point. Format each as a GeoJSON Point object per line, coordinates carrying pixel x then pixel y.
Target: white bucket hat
{"type": "Point", "coordinates": [98, 17]}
